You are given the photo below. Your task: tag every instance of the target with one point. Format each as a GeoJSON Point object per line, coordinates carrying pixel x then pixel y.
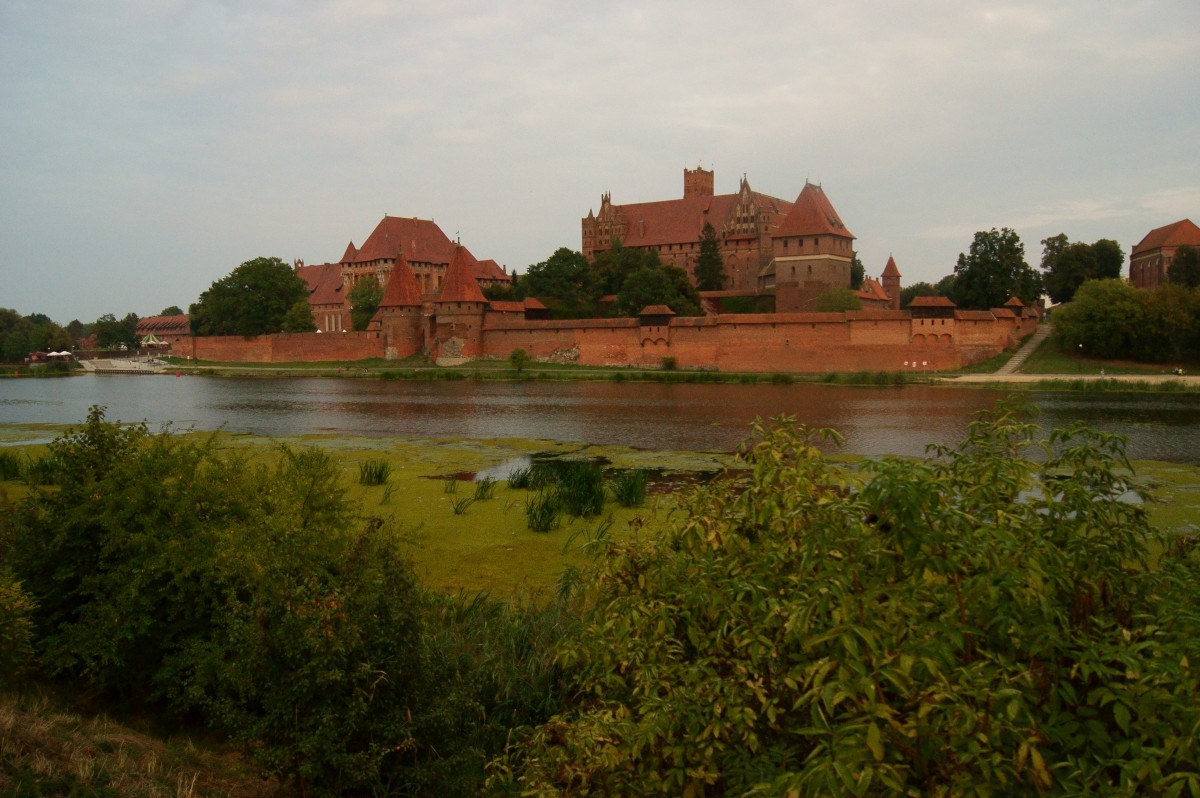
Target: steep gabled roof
{"type": "Point", "coordinates": [421, 240]}
{"type": "Point", "coordinates": [681, 221]}
{"type": "Point", "coordinates": [324, 281]}
{"type": "Point", "coordinates": [872, 291]}
{"type": "Point", "coordinates": [656, 310]}
{"type": "Point", "coordinates": [460, 284]}
{"type": "Point", "coordinates": [1014, 302]}
{"type": "Point", "coordinates": [401, 290]}
{"type": "Point", "coordinates": [812, 214]}
{"type": "Point", "coordinates": [890, 270]}
{"type": "Point", "coordinates": [350, 255]}
{"type": "Point", "coordinates": [1179, 234]}
{"type": "Point", "coordinates": [490, 270]}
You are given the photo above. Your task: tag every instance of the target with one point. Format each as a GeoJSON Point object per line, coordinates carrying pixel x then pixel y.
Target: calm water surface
{"type": "Point", "coordinates": [874, 421]}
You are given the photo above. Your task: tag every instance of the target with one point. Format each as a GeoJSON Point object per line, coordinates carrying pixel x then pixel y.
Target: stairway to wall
{"type": "Point", "coordinates": [1025, 351]}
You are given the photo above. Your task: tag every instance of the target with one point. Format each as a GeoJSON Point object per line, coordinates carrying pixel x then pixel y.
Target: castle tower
{"type": "Point", "coordinates": [459, 310]}
{"type": "Point", "coordinates": [891, 283]}
{"type": "Point", "coordinates": [697, 182]}
{"type": "Point", "coordinates": [398, 319]}
{"type": "Point", "coordinates": [811, 252]}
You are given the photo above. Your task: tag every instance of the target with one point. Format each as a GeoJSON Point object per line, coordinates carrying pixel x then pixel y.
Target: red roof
{"type": "Point", "coordinates": [350, 255]}
{"type": "Point", "coordinates": [401, 290]}
{"type": "Point", "coordinates": [460, 284]}
{"type": "Point", "coordinates": [1179, 234]}
{"type": "Point", "coordinates": [680, 221]}
{"type": "Point", "coordinates": [324, 282]}
{"type": "Point", "coordinates": [164, 325]}
{"type": "Point", "coordinates": [657, 310]}
{"type": "Point", "coordinates": [506, 307]}
{"type": "Point", "coordinates": [890, 270]}
{"type": "Point", "coordinates": [490, 270]}
{"type": "Point", "coordinates": [813, 214]}
{"type": "Point", "coordinates": [532, 303]}
{"type": "Point", "coordinates": [421, 240]}
{"type": "Point", "coordinates": [1003, 313]}
{"type": "Point", "coordinates": [931, 302]}
{"type": "Point", "coordinates": [974, 315]}
{"type": "Point", "coordinates": [1014, 302]}
{"type": "Point", "coordinates": [871, 290]}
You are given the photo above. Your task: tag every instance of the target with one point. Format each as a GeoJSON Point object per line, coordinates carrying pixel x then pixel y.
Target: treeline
{"type": "Point", "coordinates": [807, 628]}
{"type": "Point", "coordinates": [1113, 319]}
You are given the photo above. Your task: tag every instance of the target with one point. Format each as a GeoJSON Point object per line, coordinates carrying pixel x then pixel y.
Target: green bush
{"type": "Point", "coordinates": [992, 620]}
{"type": "Point", "coordinates": [10, 466]}
{"type": "Point", "coordinates": [16, 630]}
{"type": "Point", "coordinates": [669, 363]}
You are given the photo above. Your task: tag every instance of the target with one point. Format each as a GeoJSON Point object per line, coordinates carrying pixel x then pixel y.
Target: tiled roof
{"type": "Point", "coordinates": [490, 270]}
{"type": "Point", "coordinates": [350, 255]}
{"type": "Point", "coordinates": [680, 221]}
{"type": "Point", "coordinates": [1181, 233]}
{"type": "Point", "coordinates": [324, 282]}
{"type": "Point", "coordinates": [164, 325]}
{"type": "Point", "coordinates": [656, 310]}
{"type": "Point", "coordinates": [507, 307]}
{"type": "Point", "coordinates": [931, 302]}
{"type": "Point", "coordinates": [877, 314]}
{"type": "Point", "coordinates": [460, 284]}
{"type": "Point", "coordinates": [871, 290]}
{"type": "Point", "coordinates": [1003, 313]}
{"type": "Point", "coordinates": [421, 240]}
{"type": "Point", "coordinates": [401, 290]}
{"type": "Point", "coordinates": [812, 214]}
{"type": "Point", "coordinates": [533, 303]}
{"type": "Point", "coordinates": [1014, 302]}
{"type": "Point", "coordinates": [890, 270]}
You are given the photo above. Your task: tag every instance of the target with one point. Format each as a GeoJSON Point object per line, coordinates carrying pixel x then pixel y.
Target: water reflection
{"type": "Point", "coordinates": [874, 421]}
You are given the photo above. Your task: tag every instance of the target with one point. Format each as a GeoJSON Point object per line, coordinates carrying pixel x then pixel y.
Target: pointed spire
{"type": "Point", "coordinates": [890, 270]}
{"type": "Point", "coordinates": [351, 253]}
{"type": "Point", "coordinates": [401, 290]}
{"type": "Point", "coordinates": [460, 284]}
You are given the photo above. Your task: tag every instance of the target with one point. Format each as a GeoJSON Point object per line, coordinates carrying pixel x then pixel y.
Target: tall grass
{"type": "Point", "coordinates": [374, 472]}
{"type": "Point", "coordinates": [542, 511]}
{"type": "Point", "coordinates": [629, 487]}
{"type": "Point", "coordinates": [484, 489]}
{"type": "Point", "coordinates": [10, 466]}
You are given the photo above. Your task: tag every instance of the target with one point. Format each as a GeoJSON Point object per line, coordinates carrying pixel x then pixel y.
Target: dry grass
{"type": "Point", "coordinates": [46, 752]}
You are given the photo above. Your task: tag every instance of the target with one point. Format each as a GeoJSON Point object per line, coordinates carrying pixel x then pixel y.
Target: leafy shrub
{"type": "Point", "coordinates": [669, 363]}
{"type": "Point", "coordinates": [10, 465]}
{"type": "Point", "coordinates": [16, 630]}
{"type": "Point", "coordinates": [985, 619]}
{"type": "Point", "coordinates": [374, 472]}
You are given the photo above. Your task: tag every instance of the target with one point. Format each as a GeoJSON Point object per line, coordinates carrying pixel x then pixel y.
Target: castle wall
{"type": "Point", "coordinates": [286, 347]}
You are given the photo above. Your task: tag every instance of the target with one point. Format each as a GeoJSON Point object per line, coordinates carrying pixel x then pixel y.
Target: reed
{"type": "Point", "coordinates": [374, 472]}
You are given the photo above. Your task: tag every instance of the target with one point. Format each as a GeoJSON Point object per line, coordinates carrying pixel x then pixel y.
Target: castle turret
{"type": "Point", "coordinates": [459, 310]}
{"type": "Point", "coordinates": [398, 319]}
{"type": "Point", "coordinates": [698, 182]}
{"type": "Point", "coordinates": [891, 283]}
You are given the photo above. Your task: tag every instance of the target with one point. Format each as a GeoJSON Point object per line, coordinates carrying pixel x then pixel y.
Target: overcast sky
{"type": "Point", "coordinates": [147, 147]}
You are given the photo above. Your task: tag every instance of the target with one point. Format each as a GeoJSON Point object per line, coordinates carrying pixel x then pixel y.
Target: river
{"type": "Point", "coordinates": [696, 417]}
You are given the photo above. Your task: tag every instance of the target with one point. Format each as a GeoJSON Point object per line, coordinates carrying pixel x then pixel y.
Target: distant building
{"type": "Point", "coordinates": [421, 242]}
{"type": "Point", "coordinates": [1150, 261]}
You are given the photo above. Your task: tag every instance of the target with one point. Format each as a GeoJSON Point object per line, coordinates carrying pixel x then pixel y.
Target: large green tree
{"type": "Point", "coordinates": [1065, 266]}
{"type": "Point", "coordinates": [657, 285]}
{"type": "Point", "coordinates": [299, 318]}
{"type": "Point", "coordinates": [112, 332]}
{"type": "Point", "coordinates": [364, 298]}
{"type": "Point", "coordinates": [857, 273]}
{"type": "Point", "coordinates": [1185, 268]}
{"type": "Point", "coordinates": [251, 300]}
{"type": "Point", "coordinates": [910, 292]}
{"type": "Point", "coordinates": [946, 627]}
{"type": "Point", "coordinates": [565, 282]}
{"type": "Point", "coordinates": [710, 266]}
{"type": "Point", "coordinates": [993, 271]}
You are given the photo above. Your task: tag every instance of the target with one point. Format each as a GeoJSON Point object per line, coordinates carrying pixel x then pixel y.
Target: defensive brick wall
{"type": "Point", "coordinates": [287, 347]}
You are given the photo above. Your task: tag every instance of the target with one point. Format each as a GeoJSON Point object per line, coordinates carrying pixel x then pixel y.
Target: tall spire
{"type": "Point", "coordinates": [460, 284]}
{"type": "Point", "coordinates": [402, 290]}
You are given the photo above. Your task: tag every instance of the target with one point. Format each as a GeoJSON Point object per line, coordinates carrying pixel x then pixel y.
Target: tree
{"type": "Point", "coordinates": [836, 300]}
{"type": "Point", "coordinates": [111, 332]}
{"type": "Point", "coordinates": [614, 265]}
{"type": "Point", "coordinates": [857, 273]}
{"type": "Point", "coordinates": [910, 292]}
{"type": "Point", "coordinates": [250, 300]}
{"type": "Point", "coordinates": [171, 310]}
{"type": "Point", "coordinates": [1065, 266]}
{"type": "Point", "coordinates": [299, 318]}
{"type": "Point", "coordinates": [910, 628]}
{"type": "Point", "coordinates": [1104, 319]}
{"type": "Point", "coordinates": [1185, 268]}
{"type": "Point", "coordinates": [364, 298]}
{"type": "Point", "coordinates": [657, 285]}
{"type": "Point", "coordinates": [1110, 259]}
{"type": "Point", "coordinates": [994, 271]}
{"type": "Point", "coordinates": [518, 359]}
{"type": "Point", "coordinates": [710, 267]}
{"type": "Point", "coordinates": [565, 282]}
